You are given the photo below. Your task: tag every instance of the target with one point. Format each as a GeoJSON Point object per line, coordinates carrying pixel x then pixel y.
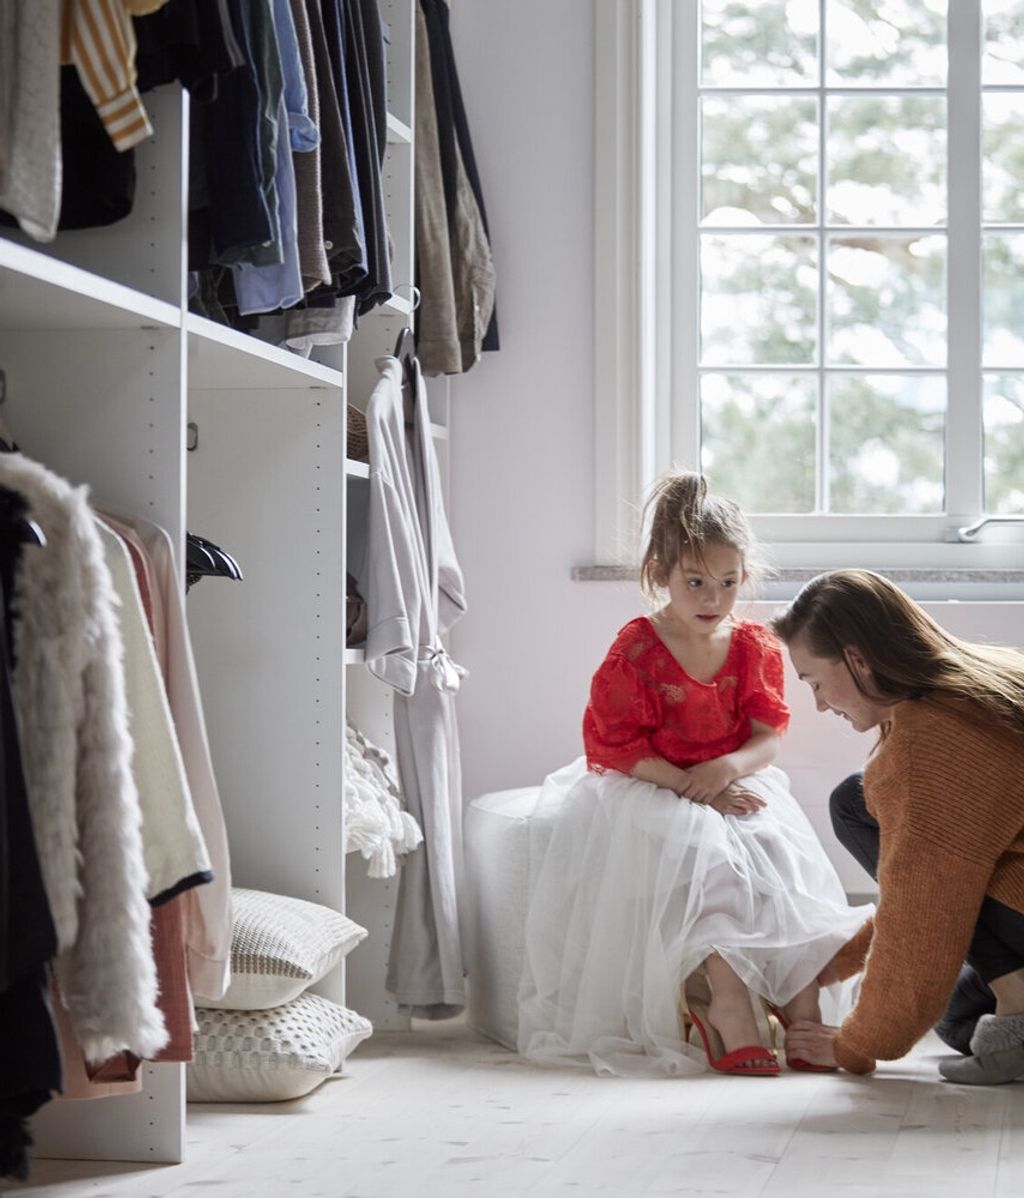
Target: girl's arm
{"type": "Point", "coordinates": [664, 773]}
{"type": "Point", "coordinates": [706, 781]}
{"type": "Point", "coordinates": [661, 773]}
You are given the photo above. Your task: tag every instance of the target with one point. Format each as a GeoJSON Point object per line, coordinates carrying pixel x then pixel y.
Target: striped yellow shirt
{"type": "Point", "coordinates": [98, 37]}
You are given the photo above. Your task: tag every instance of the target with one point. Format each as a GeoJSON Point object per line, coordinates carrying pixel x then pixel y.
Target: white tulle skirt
{"type": "Point", "coordinates": [631, 888]}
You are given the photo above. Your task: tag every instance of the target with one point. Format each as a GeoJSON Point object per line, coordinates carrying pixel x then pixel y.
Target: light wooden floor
{"type": "Point", "coordinates": [442, 1113]}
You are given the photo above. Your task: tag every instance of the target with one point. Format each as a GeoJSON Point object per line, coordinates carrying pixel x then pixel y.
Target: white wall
{"type": "Point", "coordinates": [522, 450]}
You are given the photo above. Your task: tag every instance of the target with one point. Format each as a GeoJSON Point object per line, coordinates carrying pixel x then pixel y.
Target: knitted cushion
{"type": "Point", "coordinates": [279, 947]}
{"type": "Point", "coordinates": [271, 1056]}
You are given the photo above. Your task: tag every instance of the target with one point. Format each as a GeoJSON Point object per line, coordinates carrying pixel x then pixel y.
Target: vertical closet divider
{"type": "Point", "coordinates": [266, 482]}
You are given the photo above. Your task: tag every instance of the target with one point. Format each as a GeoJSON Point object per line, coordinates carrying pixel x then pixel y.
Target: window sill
{"type": "Point", "coordinates": [923, 583]}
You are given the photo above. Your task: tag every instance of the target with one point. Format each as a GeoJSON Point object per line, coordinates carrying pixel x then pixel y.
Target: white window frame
{"type": "Point", "coordinates": [646, 297]}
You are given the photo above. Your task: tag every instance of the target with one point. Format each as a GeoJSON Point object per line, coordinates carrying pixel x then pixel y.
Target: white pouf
{"type": "Point", "coordinates": [497, 833]}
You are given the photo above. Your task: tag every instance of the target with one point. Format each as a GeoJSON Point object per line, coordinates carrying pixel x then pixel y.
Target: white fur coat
{"type": "Point", "coordinates": [76, 751]}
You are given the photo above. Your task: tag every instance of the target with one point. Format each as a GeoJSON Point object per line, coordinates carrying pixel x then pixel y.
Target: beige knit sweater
{"type": "Point", "coordinates": [947, 788]}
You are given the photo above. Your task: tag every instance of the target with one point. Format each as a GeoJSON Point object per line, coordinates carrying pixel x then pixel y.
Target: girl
{"type": "Point", "coordinates": [944, 793]}
{"type": "Point", "coordinates": [674, 853]}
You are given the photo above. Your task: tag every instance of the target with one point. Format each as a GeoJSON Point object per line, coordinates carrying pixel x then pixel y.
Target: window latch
{"type": "Point", "coordinates": [969, 532]}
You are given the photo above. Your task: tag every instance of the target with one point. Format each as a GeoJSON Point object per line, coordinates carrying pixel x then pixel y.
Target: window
{"type": "Point", "coordinates": [827, 239]}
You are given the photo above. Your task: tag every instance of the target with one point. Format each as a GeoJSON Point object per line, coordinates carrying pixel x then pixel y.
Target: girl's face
{"type": "Point", "coordinates": [702, 594]}
{"type": "Point", "coordinates": [835, 689]}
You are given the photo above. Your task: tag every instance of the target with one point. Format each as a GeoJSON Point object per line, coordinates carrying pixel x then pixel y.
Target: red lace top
{"type": "Point", "coordinates": [644, 704]}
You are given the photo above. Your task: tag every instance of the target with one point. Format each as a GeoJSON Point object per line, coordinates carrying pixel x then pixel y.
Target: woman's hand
{"type": "Point", "coordinates": [735, 800]}
{"type": "Point", "coordinates": [707, 780]}
{"type": "Point", "coordinates": [811, 1042]}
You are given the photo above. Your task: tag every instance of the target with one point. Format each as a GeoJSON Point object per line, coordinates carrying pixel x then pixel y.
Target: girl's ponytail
{"type": "Point", "coordinates": [682, 518]}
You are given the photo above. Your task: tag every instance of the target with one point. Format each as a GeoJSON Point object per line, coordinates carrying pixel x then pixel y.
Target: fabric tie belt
{"type": "Point", "coordinates": [445, 673]}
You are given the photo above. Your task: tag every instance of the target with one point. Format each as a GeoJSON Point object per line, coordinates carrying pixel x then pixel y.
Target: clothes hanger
{"type": "Point", "coordinates": [224, 563]}
{"type": "Point", "coordinates": [205, 559]}
{"type": "Point", "coordinates": [405, 352]}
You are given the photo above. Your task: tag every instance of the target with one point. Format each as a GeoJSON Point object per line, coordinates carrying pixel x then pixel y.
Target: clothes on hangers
{"type": "Point", "coordinates": [173, 845]}
{"type": "Point", "coordinates": [30, 1062]}
{"type": "Point", "coordinates": [413, 588]}
{"type": "Point", "coordinates": [98, 38]}
{"type": "Point", "coordinates": [309, 217]}
{"type": "Point", "coordinates": [73, 728]}
{"type": "Point", "coordinates": [30, 181]}
{"type": "Point", "coordinates": [455, 269]}
{"type": "Point", "coordinates": [207, 908]}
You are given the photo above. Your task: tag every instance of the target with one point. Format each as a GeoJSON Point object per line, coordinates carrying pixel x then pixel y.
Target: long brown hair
{"type": "Point", "coordinates": [908, 654]}
{"type": "Point", "coordinates": [684, 518]}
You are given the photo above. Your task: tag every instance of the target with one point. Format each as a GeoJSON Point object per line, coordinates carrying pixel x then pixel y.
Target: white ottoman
{"type": "Point", "coordinates": [497, 831]}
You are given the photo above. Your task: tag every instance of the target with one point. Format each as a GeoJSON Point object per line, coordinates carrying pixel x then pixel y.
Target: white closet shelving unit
{"type": "Point", "coordinates": [108, 378]}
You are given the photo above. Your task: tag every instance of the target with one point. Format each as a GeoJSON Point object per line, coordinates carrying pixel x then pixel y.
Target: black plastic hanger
{"type": "Point", "coordinates": [204, 559]}
{"type": "Point", "coordinates": [224, 563]}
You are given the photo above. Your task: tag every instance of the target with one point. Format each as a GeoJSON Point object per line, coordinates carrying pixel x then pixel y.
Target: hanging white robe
{"type": "Point", "coordinates": [413, 589]}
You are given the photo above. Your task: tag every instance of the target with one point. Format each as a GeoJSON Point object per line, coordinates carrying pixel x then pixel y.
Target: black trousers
{"type": "Point", "coordinates": [996, 948]}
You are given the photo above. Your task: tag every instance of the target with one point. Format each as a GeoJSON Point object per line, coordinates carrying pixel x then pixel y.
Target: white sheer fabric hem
{"type": "Point", "coordinates": [631, 888]}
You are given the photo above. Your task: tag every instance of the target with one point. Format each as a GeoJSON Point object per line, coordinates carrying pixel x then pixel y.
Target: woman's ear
{"type": "Point", "coordinates": [858, 666]}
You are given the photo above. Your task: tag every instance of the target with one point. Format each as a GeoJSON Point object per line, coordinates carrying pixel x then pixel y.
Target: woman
{"type": "Point", "coordinates": [946, 785]}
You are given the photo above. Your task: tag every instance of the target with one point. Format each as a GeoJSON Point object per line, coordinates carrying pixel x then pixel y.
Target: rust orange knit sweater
{"type": "Point", "coordinates": [947, 789]}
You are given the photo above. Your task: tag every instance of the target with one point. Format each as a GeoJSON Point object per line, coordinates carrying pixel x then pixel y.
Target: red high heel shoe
{"type": "Point", "coordinates": [739, 1060]}
{"type": "Point", "coordinates": [797, 1063]}
{"type": "Point", "coordinates": [694, 1001]}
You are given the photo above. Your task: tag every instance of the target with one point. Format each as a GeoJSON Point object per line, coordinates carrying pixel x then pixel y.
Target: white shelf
{"type": "Point", "coordinates": [399, 132]}
{"type": "Point", "coordinates": [355, 657]}
{"type": "Point", "coordinates": [354, 469]}
{"type": "Point", "coordinates": [221, 358]}
{"type": "Point", "coordinates": [439, 432]}
{"type": "Point", "coordinates": [42, 293]}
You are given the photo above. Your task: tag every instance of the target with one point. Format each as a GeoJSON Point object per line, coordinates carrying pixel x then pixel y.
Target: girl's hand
{"type": "Point", "coordinates": [706, 781]}
{"type": "Point", "coordinates": [811, 1042]}
{"type": "Point", "coordinates": [734, 800]}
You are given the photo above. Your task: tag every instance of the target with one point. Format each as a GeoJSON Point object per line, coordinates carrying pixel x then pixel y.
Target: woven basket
{"type": "Point", "coordinates": [358, 444]}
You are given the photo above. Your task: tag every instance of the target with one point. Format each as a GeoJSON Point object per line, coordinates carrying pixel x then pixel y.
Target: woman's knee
{"type": "Point", "coordinates": [855, 829]}
{"type": "Point", "coordinates": [846, 803]}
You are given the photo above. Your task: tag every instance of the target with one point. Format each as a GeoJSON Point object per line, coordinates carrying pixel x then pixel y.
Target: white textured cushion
{"type": "Point", "coordinates": [271, 1056]}
{"type": "Point", "coordinates": [279, 947]}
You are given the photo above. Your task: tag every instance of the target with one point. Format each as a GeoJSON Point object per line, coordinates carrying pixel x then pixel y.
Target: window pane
{"type": "Point", "coordinates": [1003, 298]}
{"type": "Point", "coordinates": [758, 299]}
{"type": "Point", "coordinates": [1004, 444]}
{"type": "Point", "coordinates": [1003, 157]}
{"type": "Point", "coordinates": [900, 42]}
{"type": "Point", "coordinates": [1003, 54]}
{"type": "Point", "coordinates": [887, 160]}
{"type": "Point", "coordinates": [758, 437]}
{"type": "Point", "coordinates": [759, 160]}
{"type": "Point", "coordinates": [886, 437]}
{"type": "Point", "coordinates": [887, 300]}
{"type": "Point", "coordinates": [759, 42]}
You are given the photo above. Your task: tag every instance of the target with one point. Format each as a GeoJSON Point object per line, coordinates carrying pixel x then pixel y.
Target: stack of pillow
{"type": "Point", "coordinates": [267, 1039]}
